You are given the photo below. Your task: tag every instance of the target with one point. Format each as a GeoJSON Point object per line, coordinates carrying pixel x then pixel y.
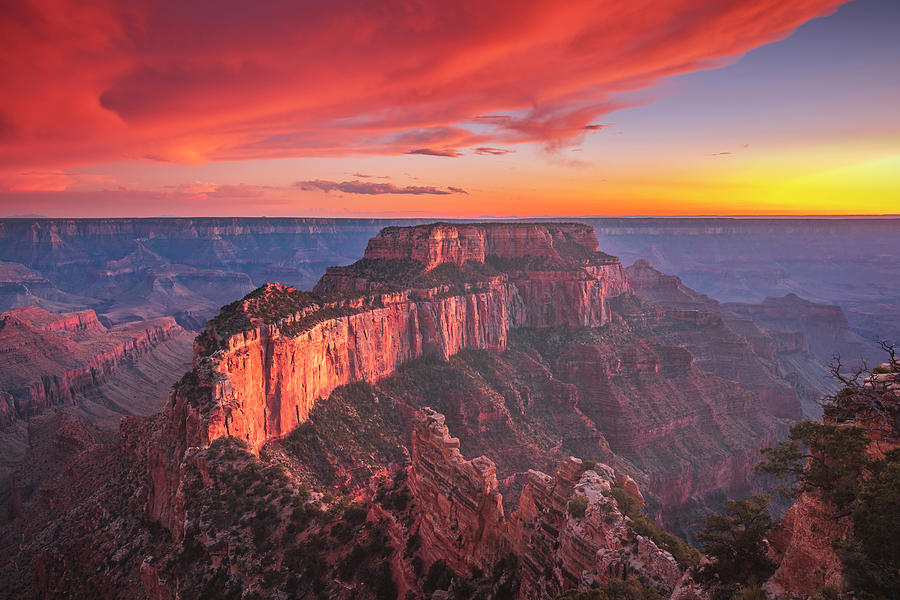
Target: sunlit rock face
{"type": "Point", "coordinates": [439, 243]}
{"type": "Point", "coordinates": [292, 349]}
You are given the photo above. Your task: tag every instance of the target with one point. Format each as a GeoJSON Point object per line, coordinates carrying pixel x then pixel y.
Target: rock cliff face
{"type": "Point", "coordinates": [824, 325]}
{"type": "Point", "coordinates": [47, 359]}
{"type": "Point", "coordinates": [803, 546]}
{"type": "Point", "coordinates": [461, 519]}
{"type": "Point", "coordinates": [559, 547]}
{"type": "Point", "coordinates": [293, 349]}
{"type": "Point", "coordinates": [737, 342]}
{"type": "Point", "coordinates": [269, 382]}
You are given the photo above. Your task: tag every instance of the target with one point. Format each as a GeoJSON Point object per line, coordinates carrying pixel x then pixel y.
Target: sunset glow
{"type": "Point", "coordinates": [461, 109]}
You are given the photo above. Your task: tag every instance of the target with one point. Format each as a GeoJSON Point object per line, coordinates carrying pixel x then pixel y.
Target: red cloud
{"type": "Point", "coordinates": [372, 188]}
{"type": "Point", "coordinates": [198, 81]}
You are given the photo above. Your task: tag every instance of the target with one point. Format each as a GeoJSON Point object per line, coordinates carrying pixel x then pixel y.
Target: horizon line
{"type": "Point", "coordinates": [457, 218]}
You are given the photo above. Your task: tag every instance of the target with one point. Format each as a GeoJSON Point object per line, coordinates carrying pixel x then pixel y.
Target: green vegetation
{"type": "Point", "coordinates": [685, 555]}
{"type": "Point", "coordinates": [616, 589]}
{"type": "Point", "coordinates": [753, 592]}
{"type": "Point", "coordinates": [830, 459]}
{"type": "Point", "coordinates": [871, 552]}
{"type": "Point", "coordinates": [241, 510]}
{"type": "Point", "coordinates": [735, 543]}
{"type": "Point", "coordinates": [439, 577]}
{"type": "Point", "coordinates": [192, 390]}
{"type": "Point", "coordinates": [357, 431]}
{"type": "Point", "coordinates": [578, 506]}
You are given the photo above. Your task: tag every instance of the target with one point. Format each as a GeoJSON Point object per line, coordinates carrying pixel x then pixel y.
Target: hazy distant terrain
{"type": "Point", "coordinates": [128, 269]}
{"type": "Point", "coordinates": [853, 263]}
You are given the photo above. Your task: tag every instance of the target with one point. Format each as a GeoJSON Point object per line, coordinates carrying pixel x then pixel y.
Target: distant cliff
{"type": "Point", "coordinates": [47, 359]}
{"type": "Point", "coordinates": [129, 269]}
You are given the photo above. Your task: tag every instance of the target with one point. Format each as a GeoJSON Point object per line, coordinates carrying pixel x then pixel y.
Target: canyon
{"type": "Point", "coordinates": [263, 383]}
{"type": "Point", "coordinates": [308, 448]}
{"type": "Point", "coordinates": [266, 363]}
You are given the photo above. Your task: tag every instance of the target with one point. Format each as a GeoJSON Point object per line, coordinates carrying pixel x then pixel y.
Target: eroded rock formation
{"type": "Point", "coordinates": [462, 518]}
{"type": "Point", "coordinates": [292, 349]}
{"type": "Point", "coordinates": [48, 359]}
{"type": "Point", "coordinates": [568, 532]}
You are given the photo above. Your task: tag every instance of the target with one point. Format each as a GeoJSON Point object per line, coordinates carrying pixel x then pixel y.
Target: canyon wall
{"type": "Point", "coordinates": [47, 359]}
{"type": "Point", "coordinates": [268, 382]}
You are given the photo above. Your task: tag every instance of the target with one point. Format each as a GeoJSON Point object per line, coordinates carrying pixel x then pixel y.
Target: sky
{"type": "Point", "coordinates": [420, 108]}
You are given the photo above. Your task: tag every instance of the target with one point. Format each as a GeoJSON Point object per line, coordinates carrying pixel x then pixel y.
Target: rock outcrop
{"type": "Point", "coordinates": [431, 245]}
{"type": "Point", "coordinates": [462, 518]}
{"type": "Point", "coordinates": [568, 532]}
{"type": "Point", "coordinates": [804, 544]}
{"type": "Point", "coordinates": [803, 547]}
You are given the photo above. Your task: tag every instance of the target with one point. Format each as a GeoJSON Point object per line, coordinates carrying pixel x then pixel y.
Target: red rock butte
{"type": "Point", "coordinates": [264, 362]}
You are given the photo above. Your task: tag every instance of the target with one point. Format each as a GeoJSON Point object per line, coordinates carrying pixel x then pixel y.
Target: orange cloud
{"type": "Point", "coordinates": [191, 82]}
{"type": "Point", "coordinates": [35, 181]}
{"type": "Point", "coordinates": [49, 181]}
